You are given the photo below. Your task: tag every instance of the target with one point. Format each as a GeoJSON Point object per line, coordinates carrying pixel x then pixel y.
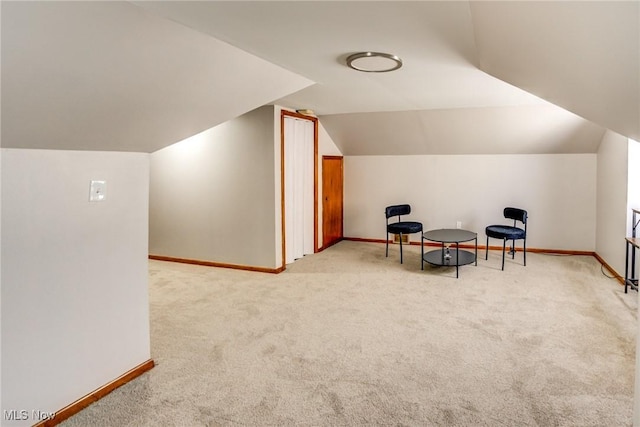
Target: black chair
{"type": "Point", "coordinates": [400, 227]}
{"type": "Point", "coordinates": [507, 232]}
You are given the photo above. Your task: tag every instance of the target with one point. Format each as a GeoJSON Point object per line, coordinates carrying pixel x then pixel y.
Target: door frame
{"type": "Point", "coordinates": [283, 114]}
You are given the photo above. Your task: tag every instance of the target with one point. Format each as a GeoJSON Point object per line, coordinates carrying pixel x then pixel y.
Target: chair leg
{"type": "Point", "coordinates": [524, 250]}
{"type": "Point", "coordinates": [504, 245]}
{"type": "Point", "coordinates": [513, 249]}
{"type": "Point", "coordinates": [387, 253]}
{"type": "Point", "coordinates": [421, 250]}
{"type": "Point", "coordinates": [400, 248]}
{"type": "Point", "coordinates": [486, 250]}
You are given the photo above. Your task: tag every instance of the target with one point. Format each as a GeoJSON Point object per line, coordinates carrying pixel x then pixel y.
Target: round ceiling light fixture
{"type": "Point", "coordinates": [374, 62]}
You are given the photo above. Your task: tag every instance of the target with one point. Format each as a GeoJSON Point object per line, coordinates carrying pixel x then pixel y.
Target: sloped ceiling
{"type": "Point", "coordinates": [442, 70]}
{"type": "Point", "coordinates": [111, 76]}
{"type": "Point", "coordinates": [434, 39]}
{"type": "Point", "coordinates": [583, 56]}
{"type": "Point", "coordinates": [535, 129]}
{"type": "Point", "coordinates": [140, 76]}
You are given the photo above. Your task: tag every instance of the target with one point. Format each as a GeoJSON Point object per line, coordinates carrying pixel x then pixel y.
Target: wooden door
{"type": "Point", "coordinates": [332, 200]}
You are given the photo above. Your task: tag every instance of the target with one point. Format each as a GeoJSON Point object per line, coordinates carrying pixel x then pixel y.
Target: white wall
{"type": "Point", "coordinates": [277, 184]}
{"type": "Point", "coordinates": [633, 180]}
{"type": "Point", "coordinates": [558, 191]}
{"type": "Point", "coordinates": [74, 275]}
{"type": "Point", "coordinates": [1, 406]}
{"type": "Point", "coordinates": [212, 195]}
{"type": "Point", "coordinates": [633, 201]}
{"type": "Point", "coordinates": [612, 211]}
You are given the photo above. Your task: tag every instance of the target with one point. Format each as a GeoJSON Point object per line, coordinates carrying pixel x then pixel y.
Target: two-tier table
{"type": "Point", "coordinates": [450, 254]}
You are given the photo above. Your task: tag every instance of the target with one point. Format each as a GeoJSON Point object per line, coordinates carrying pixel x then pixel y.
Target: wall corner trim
{"type": "Point", "coordinates": [77, 406]}
{"type": "Point", "coordinates": [217, 264]}
{"type": "Point", "coordinates": [617, 276]}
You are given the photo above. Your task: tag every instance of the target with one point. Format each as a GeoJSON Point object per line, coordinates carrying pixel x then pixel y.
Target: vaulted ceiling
{"type": "Point", "coordinates": [111, 76]}
{"type": "Point", "coordinates": [478, 77]}
{"type": "Point", "coordinates": [583, 56]}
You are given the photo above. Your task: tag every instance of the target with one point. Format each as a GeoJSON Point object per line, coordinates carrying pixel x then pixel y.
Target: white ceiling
{"type": "Point", "coordinates": [435, 40]}
{"type": "Point", "coordinates": [137, 77]}
{"type": "Point", "coordinates": [532, 129]}
{"type": "Point", "coordinates": [583, 56]}
{"type": "Point", "coordinates": [111, 76]}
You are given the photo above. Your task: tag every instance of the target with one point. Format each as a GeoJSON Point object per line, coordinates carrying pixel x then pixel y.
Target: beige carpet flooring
{"type": "Point", "coordinates": [348, 337]}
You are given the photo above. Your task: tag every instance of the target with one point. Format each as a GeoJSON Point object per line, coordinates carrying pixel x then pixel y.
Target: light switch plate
{"type": "Point", "coordinates": [98, 191]}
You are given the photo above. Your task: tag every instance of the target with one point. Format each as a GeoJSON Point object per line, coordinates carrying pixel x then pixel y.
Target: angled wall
{"type": "Point", "coordinates": [74, 275]}
{"type": "Point", "coordinates": [582, 56]}
{"type": "Point", "coordinates": [532, 129]}
{"type": "Point", "coordinates": [110, 75]}
{"type": "Point", "coordinates": [212, 195]}
{"type": "Point", "coordinates": [612, 214]}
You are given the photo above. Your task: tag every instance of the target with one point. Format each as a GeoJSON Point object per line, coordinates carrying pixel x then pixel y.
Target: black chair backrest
{"type": "Point", "coordinates": [516, 214]}
{"type": "Point", "coordinates": [397, 210]}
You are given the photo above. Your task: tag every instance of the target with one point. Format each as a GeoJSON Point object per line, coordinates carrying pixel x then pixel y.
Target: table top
{"type": "Point", "coordinates": [449, 235]}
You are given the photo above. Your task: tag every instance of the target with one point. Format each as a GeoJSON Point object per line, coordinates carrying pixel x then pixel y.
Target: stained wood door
{"type": "Point", "coordinates": [332, 200]}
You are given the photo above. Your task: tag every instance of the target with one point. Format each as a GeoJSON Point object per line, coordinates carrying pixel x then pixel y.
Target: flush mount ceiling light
{"type": "Point", "coordinates": [374, 62]}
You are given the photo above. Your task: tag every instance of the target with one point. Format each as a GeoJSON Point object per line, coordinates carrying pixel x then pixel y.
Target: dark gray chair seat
{"type": "Point", "coordinates": [405, 227]}
{"type": "Point", "coordinates": [508, 232]}
{"type": "Point", "coordinates": [400, 227]}
{"type": "Point", "coordinates": [505, 232]}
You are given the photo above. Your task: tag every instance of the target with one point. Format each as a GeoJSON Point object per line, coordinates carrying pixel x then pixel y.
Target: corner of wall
{"type": "Point", "coordinates": [1, 281]}
{"type": "Point", "coordinates": [206, 192]}
{"type": "Point", "coordinates": [277, 184]}
{"type": "Point", "coordinates": [612, 199]}
{"type": "Point", "coordinates": [77, 290]}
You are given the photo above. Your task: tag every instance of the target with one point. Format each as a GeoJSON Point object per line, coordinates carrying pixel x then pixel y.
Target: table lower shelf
{"type": "Point", "coordinates": [437, 258]}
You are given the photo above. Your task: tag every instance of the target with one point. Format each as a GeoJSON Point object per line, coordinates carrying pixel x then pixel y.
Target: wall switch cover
{"type": "Point", "coordinates": [98, 191]}
{"type": "Point", "coordinates": [458, 224]}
